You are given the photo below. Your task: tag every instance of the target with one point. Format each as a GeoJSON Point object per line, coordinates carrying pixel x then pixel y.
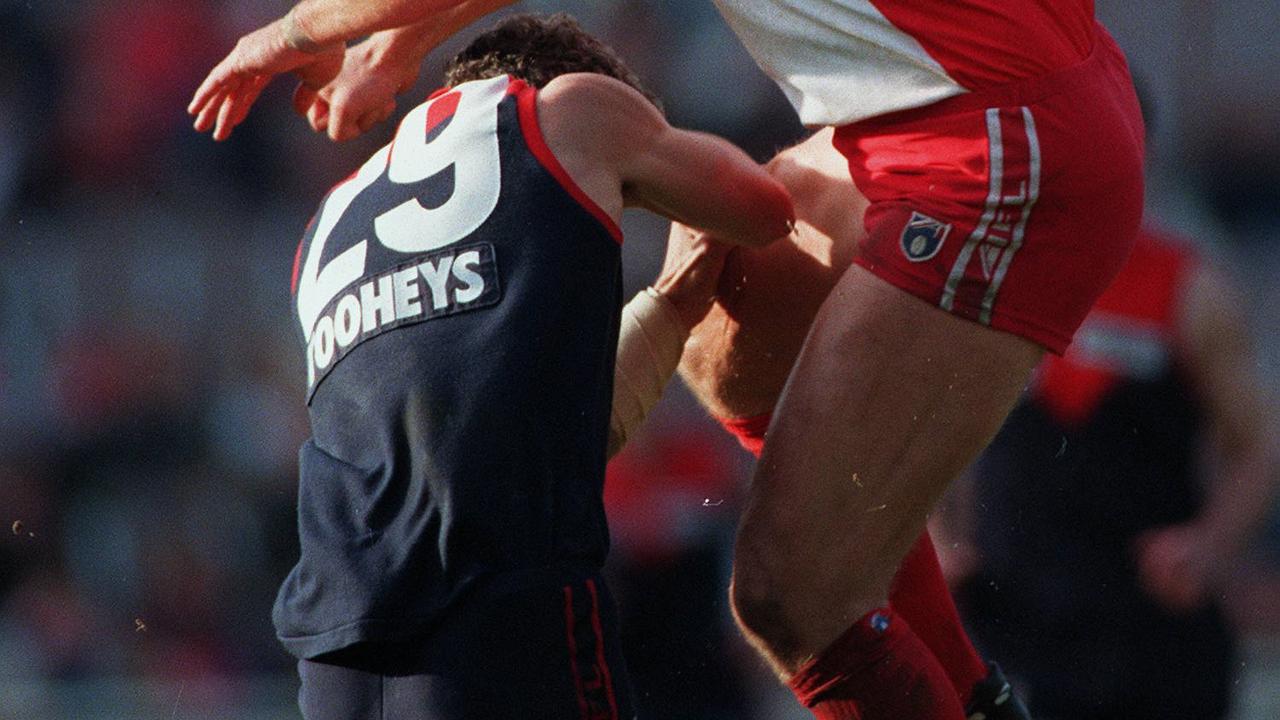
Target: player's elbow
{"type": "Point", "coordinates": [767, 214]}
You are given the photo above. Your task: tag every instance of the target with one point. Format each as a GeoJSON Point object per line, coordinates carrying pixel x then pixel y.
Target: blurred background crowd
{"type": "Point", "coordinates": [151, 382]}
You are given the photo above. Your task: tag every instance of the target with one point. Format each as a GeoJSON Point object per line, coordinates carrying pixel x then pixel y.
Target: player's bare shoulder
{"type": "Point", "coordinates": [592, 122]}
{"type": "Point", "coordinates": [600, 101]}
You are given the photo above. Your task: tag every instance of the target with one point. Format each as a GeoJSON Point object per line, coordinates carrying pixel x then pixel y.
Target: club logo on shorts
{"type": "Point", "coordinates": [923, 236]}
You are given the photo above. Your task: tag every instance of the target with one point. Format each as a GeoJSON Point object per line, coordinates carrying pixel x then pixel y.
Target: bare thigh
{"type": "Point", "coordinates": [889, 399]}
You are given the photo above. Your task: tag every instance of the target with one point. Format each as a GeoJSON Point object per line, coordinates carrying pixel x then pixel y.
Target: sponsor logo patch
{"type": "Point", "coordinates": [428, 287]}
{"type": "Point", "coordinates": [923, 236]}
{"type": "Point", "coordinates": [880, 623]}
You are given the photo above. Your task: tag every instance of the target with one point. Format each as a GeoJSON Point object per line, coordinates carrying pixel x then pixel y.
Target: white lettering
{"type": "Point", "coordinates": [324, 342]}
{"type": "Point", "coordinates": [406, 292]}
{"type": "Point", "coordinates": [378, 305]}
{"type": "Point", "coordinates": [317, 286]}
{"type": "Point", "coordinates": [346, 323]}
{"type": "Point", "coordinates": [437, 277]}
{"type": "Point", "coordinates": [396, 295]}
{"type": "Point", "coordinates": [472, 282]}
{"type": "Point", "coordinates": [470, 146]}
{"type": "Point", "coordinates": [311, 362]}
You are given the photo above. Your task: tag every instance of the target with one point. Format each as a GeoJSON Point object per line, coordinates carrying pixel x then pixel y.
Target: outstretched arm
{"type": "Point", "coordinates": [704, 181]}
{"type": "Point", "coordinates": [622, 152]}
{"type": "Point", "coordinates": [1181, 564]}
{"type": "Point", "coordinates": [324, 22]}
{"type": "Point", "coordinates": [309, 41]}
{"type": "Point", "coordinates": [375, 71]}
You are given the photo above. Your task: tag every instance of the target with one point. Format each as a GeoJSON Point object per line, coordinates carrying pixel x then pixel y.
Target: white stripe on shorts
{"type": "Point", "coordinates": [1033, 193]}
{"type": "Point", "coordinates": [993, 203]}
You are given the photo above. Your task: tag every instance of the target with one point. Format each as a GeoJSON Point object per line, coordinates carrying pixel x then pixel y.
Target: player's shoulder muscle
{"type": "Point", "coordinates": [595, 126]}
{"type": "Point", "coordinates": [600, 111]}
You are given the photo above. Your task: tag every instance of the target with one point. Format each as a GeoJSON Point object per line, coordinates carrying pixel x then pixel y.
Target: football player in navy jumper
{"type": "Point", "coordinates": [459, 302]}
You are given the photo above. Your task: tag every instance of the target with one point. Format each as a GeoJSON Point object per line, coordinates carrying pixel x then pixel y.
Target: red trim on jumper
{"type": "Point", "coordinates": [442, 109]}
{"type": "Point", "coordinates": [297, 259]}
{"type": "Point", "coordinates": [573, 652]}
{"type": "Point", "coordinates": [527, 105]}
{"type": "Point", "coordinates": [513, 87]}
{"type": "Point", "coordinates": [437, 112]}
{"type": "Point", "coordinates": [604, 665]}
{"type": "Point", "coordinates": [342, 182]}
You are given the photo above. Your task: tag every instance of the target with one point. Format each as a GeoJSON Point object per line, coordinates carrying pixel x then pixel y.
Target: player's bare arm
{"type": "Point", "coordinates": [225, 97]}
{"type": "Point", "coordinates": [655, 326]}
{"type": "Point", "coordinates": [738, 358]}
{"type": "Point", "coordinates": [309, 41]}
{"type": "Point", "coordinates": [328, 21]}
{"type": "Point", "coordinates": [1181, 564]}
{"type": "Point", "coordinates": [620, 150]}
{"type": "Point", "coordinates": [376, 71]}
{"type": "Point", "coordinates": [364, 92]}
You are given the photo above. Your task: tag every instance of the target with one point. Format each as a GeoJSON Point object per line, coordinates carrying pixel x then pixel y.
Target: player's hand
{"type": "Point", "coordinates": [361, 95]}
{"type": "Point", "coordinates": [690, 272]}
{"type": "Point", "coordinates": [224, 98]}
{"type": "Point", "coordinates": [1178, 566]}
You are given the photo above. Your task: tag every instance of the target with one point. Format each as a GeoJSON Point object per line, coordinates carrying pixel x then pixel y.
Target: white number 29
{"type": "Point", "coordinates": [469, 143]}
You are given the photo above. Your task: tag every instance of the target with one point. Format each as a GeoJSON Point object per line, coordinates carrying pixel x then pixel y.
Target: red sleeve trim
{"type": "Point", "coordinates": [527, 104]}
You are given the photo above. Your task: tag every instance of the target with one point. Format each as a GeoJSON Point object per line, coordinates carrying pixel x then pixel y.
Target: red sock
{"type": "Point", "coordinates": [920, 595]}
{"type": "Point", "coordinates": [877, 670]}
{"type": "Point", "coordinates": [749, 431]}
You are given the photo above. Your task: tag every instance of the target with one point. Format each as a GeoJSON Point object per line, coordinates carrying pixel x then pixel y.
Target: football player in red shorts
{"type": "Point", "coordinates": [1000, 147]}
{"type": "Point", "coordinates": [738, 359]}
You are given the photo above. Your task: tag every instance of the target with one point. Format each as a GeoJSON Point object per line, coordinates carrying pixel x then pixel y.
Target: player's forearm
{"type": "Point", "coordinates": [404, 48]}
{"type": "Point", "coordinates": [720, 189]}
{"type": "Point", "coordinates": [408, 45]}
{"type": "Point", "coordinates": [755, 209]}
{"type": "Point", "coordinates": [325, 22]}
{"type": "Point", "coordinates": [702, 181]}
{"type": "Point", "coordinates": [1240, 498]}
{"type": "Point", "coordinates": [650, 342]}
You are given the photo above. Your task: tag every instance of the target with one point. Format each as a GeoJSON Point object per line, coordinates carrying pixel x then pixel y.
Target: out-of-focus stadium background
{"type": "Point", "coordinates": [151, 386]}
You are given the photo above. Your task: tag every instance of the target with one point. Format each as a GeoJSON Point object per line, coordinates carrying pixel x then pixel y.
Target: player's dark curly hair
{"type": "Point", "coordinates": [537, 50]}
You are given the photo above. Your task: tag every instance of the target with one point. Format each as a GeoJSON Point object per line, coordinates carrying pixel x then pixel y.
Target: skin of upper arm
{"type": "Point", "coordinates": [706, 182]}
{"type": "Point", "coordinates": [621, 151]}
{"type": "Point", "coordinates": [1215, 347]}
{"type": "Point", "coordinates": [580, 119]}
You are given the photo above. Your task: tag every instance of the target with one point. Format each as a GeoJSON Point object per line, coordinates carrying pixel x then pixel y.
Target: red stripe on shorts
{"type": "Point", "coordinates": [603, 665]}
{"type": "Point", "coordinates": [573, 652]}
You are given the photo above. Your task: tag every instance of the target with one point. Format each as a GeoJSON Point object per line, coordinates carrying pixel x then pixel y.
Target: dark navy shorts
{"type": "Point", "coordinates": [548, 652]}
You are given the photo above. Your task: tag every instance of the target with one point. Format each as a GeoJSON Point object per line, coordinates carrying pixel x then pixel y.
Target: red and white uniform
{"type": "Point", "coordinates": [840, 61]}
{"type": "Point", "coordinates": [999, 142]}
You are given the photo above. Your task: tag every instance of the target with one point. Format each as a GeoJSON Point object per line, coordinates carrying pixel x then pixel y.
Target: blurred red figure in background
{"type": "Point", "coordinates": [1095, 550]}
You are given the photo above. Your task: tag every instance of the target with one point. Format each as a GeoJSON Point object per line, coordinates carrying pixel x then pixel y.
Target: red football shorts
{"type": "Point", "coordinates": [1014, 206]}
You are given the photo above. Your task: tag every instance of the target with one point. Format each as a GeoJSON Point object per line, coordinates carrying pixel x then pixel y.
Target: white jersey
{"type": "Point", "coordinates": [839, 61]}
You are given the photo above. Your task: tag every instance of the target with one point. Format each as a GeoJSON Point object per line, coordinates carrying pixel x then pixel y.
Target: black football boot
{"type": "Point", "coordinates": [993, 699]}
